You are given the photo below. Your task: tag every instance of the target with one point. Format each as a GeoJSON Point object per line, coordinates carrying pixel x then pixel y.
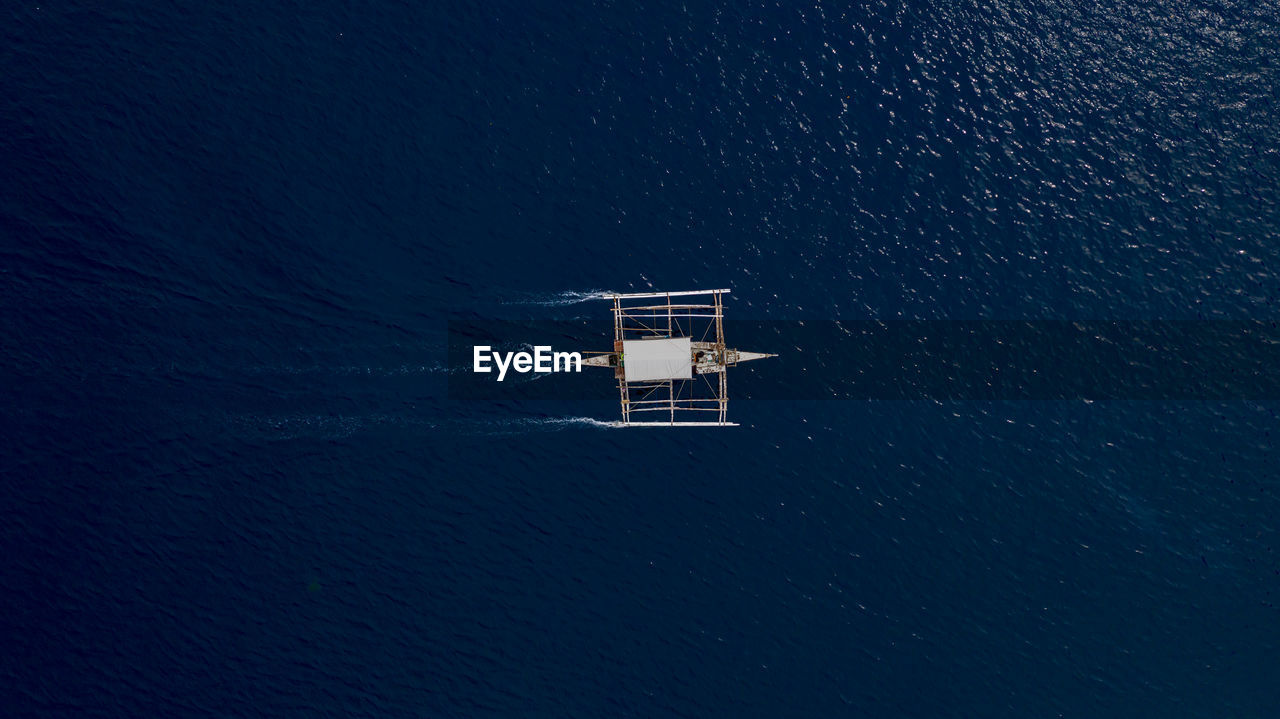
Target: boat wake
{"type": "Point", "coordinates": [543, 424]}
{"type": "Point", "coordinates": [318, 426]}
{"type": "Point", "coordinates": [567, 422]}
{"type": "Point", "coordinates": [354, 370]}
{"type": "Point", "coordinates": [559, 299]}
{"type": "Point", "coordinates": [336, 427]}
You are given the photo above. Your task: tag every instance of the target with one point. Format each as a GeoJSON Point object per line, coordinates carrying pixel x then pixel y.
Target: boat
{"type": "Point", "coordinates": [670, 358]}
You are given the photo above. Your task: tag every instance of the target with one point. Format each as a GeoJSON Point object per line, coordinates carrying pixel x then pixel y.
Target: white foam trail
{"type": "Point", "coordinates": [317, 426]}
{"type": "Point", "coordinates": [561, 299]}
{"type": "Point", "coordinates": [334, 427]}
{"type": "Point", "coordinates": [567, 422]}
{"type": "Point", "coordinates": [527, 425]}
{"type": "Point", "coordinates": [354, 370]}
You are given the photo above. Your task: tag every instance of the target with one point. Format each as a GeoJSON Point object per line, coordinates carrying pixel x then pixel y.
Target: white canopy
{"type": "Point", "coordinates": [657, 359]}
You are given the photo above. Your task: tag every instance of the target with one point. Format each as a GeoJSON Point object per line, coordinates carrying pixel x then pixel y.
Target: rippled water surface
{"type": "Point", "coordinates": [232, 235]}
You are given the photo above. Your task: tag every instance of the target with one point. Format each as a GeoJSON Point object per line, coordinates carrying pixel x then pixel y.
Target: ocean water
{"type": "Point", "coordinates": [235, 483]}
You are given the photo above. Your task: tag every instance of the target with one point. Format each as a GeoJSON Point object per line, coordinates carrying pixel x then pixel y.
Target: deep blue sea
{"type": "Point", "coordinates": [234, 481]}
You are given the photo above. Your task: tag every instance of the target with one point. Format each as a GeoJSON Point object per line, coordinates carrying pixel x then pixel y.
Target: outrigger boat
{"type": "Point", "coordinates": [661, 367]}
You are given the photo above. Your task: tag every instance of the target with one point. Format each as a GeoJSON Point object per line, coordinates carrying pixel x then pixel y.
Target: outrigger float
{"type": "Point", "coordinates": [659, 365]}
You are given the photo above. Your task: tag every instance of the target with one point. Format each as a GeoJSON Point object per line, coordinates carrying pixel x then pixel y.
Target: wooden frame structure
{"type": "Point", "coordinates": [697, 396]}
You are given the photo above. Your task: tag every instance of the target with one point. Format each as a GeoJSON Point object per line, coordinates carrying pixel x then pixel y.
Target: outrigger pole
{"type": "Point", "coordinates": [659, 365]}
